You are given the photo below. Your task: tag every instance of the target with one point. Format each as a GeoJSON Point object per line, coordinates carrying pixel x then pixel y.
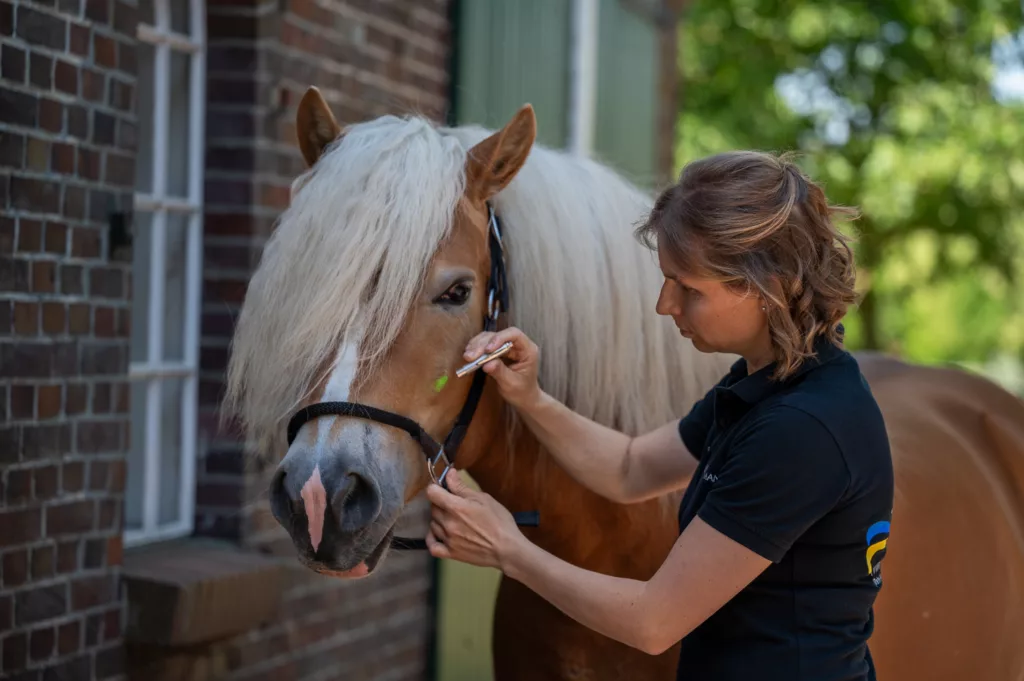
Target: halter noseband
{"type": "Point", "coordinates": [497, 302]}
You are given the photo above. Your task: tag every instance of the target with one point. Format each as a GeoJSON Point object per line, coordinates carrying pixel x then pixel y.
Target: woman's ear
{"type": "Point", "coordinates": [315, 125]}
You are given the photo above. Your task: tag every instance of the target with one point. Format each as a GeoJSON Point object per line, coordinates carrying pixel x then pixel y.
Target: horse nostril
{"type": "Point", "coordinates": [281, 505]}
{"type": "Point", "coordinates": [357, 503]}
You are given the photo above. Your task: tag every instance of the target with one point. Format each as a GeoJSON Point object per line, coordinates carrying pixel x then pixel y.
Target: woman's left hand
{"type": "Point", "coordinates": [469, 526]}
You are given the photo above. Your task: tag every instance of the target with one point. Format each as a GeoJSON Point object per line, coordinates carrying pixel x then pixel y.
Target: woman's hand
{"type": "Point", "coordinates": [517, 382]}
{"type": "Point", "coordinates": [469, 526]}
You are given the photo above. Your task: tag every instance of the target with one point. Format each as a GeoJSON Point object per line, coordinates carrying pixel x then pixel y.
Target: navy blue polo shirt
{"type": "Point", "coordinates": [798, 471]}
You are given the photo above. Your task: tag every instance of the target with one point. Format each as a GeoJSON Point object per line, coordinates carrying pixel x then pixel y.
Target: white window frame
{"type": "Point", "coordinates": [152, 373]}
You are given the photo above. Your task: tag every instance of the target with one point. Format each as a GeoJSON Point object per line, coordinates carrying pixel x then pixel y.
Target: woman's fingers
{"type": "Point", "coordinates": [437, 529]}
{"type": "Point", "coordinates": [436, 548]}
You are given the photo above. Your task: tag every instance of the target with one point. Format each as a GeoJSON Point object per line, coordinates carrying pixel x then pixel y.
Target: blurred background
{"type": "Point", "coordinates": [148, 146]}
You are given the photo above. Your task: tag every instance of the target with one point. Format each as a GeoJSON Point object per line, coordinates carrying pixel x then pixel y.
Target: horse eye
{"type": "Point", "coordinates": [457, 294]}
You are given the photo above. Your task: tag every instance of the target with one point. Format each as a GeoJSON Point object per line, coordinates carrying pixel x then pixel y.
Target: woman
{"type": "Point", "coordinates": [786, 462]}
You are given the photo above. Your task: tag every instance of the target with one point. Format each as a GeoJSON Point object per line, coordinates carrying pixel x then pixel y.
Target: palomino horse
{"type": "Point", "coordinates": [378, 274]}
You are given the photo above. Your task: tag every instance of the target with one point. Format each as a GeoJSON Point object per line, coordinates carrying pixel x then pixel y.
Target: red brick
{"type": "Point", "coordinates": [48, 401]}
{"type": "Point", "coordinates": [19, 527]}
{"type": "Point", "coordinates": [12, 62]}
{"type": "Point", "coordinates": [45, 482]}
{"type": "Point", "coordinates": [78, 318]}
{"type": "Point", "coordinates": [104, 321]}
{"type": "Point", "coordinates": [30, 235]}
{"type": "Point", "coordinates": [77, 395]}
{"type": "Point", "coordinates": [108, 514]}
{"type": "Point", "coordinates": [31, 194]}
{"type": "Point", "coordinates": [95, 553]}
{"type": "Point", "coordinates": [44, 274]}
{"type": "Point", "coordinates": [41, 643]}
{"type": "Point", "coordinates": [120, 170]}
{"type": "Point", "coordinates": [15, 652]}
{"type": "Point", "coordinates": [6, 613]}
{"type": "Point", "coordinates": [106, 282]}
{"type": "Point", "coordinates": [6, 240]}
{"type": "Point", "coordinates": [70, 518]}
{"type": "Point", "coordinates": [40, 604]}
{"type": "Point", "coordinates": [115, 550]}
{"type": "Point", "coordinates": [26, 318]}
{"type": "Point", "coordinates": [89, 592]}
{"type": "Point", "coordinates": [67, 556]}
{"type": "Point", "coordinates": [98, 11]}
{"type": "Point", "coordinates": [79, 35]}
{"type": "Point", "coordinates": [74, 205]}
{"type": "Point", "coordinates": [51, 115]}
{"type": "Point", "coordinates": [15, 566]}
{"type": "Point", "coordinates": [102, 398]}
{"type": "Point", "coordinates": [65, 77]}
{"type": "Point", "coordinates": [71, 280]}
{"type": "Point", "coordinates": [19, 486]}
{"type": "Point", "coordinates": [103, 126]}
{"type": "Point", "coordinates": [56, 238]}
{"type": "Point", "coordinates": [69, 638]}
{"type": "Point", "coordinates": [40, 70]}
{"type": "Point", "coordinates": [12, 144]}
{"type": "Point", "coordinates": [99, 473]}
{"type": "Point", "coordinates": [76, 668]}
{"type": "Point", "coordinates": [54, 318]}
{"type": "Point", "coordinates": [37, 154]}
{"type": "Point", "coordinates": [104, 51]}
{"type": "Point", "coordinates": [62, 158]}
{"type": "Point", "coordinates": [73, 476]}
{"type": "Point", "coordinates": [89, 164]}
{"type": "Point", "coordinates": [93, 85]}
{"type": "Point", "coordinates": [98, 436]}
{"type": "Point", "coordinates": [42, 562]}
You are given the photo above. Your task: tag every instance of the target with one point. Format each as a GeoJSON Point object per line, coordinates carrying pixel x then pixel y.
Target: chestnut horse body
{"type": "Point", "coordinates": [337, 312]}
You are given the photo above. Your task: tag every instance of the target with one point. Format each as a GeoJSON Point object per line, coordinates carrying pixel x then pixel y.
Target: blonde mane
{"type": "Point", "coordinates": [354, 246]}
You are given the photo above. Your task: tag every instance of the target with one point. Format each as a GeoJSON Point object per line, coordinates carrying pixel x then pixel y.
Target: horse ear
{"type": "Point", "coordinates": [492, 163]}
{"type": "Point", "coordinates": [315, 125]}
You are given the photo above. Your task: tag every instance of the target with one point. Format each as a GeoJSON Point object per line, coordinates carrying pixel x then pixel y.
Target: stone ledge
{"type": "Point", "coordinates": [194, 591]}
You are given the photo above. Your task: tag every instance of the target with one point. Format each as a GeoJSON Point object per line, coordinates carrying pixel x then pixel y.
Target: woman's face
{"type": "Point", "coordinates": [714, 317]}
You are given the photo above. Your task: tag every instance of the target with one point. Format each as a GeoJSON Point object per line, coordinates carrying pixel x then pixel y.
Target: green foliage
{"type": "Point", "coordinates": [891, 104]}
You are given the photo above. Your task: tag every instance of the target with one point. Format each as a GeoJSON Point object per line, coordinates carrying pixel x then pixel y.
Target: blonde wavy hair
{"type": "Point", "coordinates": [756, 222]}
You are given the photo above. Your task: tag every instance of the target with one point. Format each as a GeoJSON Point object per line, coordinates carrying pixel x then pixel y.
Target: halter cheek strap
{"type": "Point", "coordinates": [497, 302]}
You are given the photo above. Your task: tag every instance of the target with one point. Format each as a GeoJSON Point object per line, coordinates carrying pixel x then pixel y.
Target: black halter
{"type": "Point", "coordinates": [497, 302]}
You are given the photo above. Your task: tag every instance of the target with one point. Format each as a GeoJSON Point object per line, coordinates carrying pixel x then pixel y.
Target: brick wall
{"type": "Point", "coordinates": [67, 134]}
{"type": "Point", "coordinates": [368, 57]}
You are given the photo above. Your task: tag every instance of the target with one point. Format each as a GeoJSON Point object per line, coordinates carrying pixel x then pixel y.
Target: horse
{"type": "Point", "coordinates": [381, 269]}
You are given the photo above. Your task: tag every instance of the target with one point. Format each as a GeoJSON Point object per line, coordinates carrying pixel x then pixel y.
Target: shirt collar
{"type": "Point", "coordinates": [755, 387]}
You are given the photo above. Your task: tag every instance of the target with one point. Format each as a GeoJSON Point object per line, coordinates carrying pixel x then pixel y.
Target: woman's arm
{"type": "Point", "coordinates": [704, 570]}
{"type": "Point", "coordinates": [612, 464]}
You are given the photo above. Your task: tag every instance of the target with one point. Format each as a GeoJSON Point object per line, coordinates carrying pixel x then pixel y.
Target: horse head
{"type": "Point", "coordinates": [404, 213]}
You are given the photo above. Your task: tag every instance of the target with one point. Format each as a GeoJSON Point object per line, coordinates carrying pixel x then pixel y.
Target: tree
{"type": "Point", "coordinates": [892, 105]}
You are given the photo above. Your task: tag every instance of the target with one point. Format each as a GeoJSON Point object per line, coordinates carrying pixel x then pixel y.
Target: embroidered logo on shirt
{"type": "Point", "coordinates": [877, 539]}
{"type": "Point", "coordinates": [709, 477]}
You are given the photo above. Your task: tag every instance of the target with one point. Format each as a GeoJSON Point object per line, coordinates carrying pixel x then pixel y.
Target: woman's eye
{"type": "Point", "coordinates": [455, 295]}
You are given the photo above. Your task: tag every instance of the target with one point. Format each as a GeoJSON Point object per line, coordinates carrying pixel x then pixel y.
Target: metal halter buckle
{"type": "Point", "coordinates": [493, 306]}
{"type": "Point", "coordinates": [432, 464]}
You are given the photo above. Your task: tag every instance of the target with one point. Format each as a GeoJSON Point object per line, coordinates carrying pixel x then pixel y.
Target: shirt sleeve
{"type": "Point", "coordinates": [782, 474]}
{"type": "Point", "coordinates": [694, 427]}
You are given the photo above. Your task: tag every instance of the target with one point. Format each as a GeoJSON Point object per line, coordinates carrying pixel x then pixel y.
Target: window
{"type": "Point", "coordinates": [166, 270]}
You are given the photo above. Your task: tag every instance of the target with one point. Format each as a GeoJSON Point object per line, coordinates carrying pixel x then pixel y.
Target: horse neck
{"type": "Point", "coordinates": [576, 525]}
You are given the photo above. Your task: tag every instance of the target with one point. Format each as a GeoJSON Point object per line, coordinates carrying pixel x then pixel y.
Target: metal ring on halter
{"type": "Point", "coordinates": [493, 306]}
{"type": "Point", "coordinates": [497, 232]}
{"type": "Point", "coordinates": [432, 464]}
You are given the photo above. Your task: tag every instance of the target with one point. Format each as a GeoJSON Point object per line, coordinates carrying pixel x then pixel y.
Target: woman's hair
{"type": "Point", "coordinates": [756, 222]}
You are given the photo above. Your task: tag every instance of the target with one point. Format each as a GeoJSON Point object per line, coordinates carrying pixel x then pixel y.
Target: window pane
{"type": "Point", "coordinates": [175, 272]}
{"type": "Point", "coordinates": [178, 125]}
{"type": "Point", "coordinates": [136, 458]}
{"type": "Point", "coordinates": [180, 13]}
{"type": "Point", "coordinates": [142, 240]}
{"type": "Point", "coordinates": [144, 88]}
{"type": "Point", "coordinates": [170, 451]}
{"type": "Point", "coordinates": [146, 15]}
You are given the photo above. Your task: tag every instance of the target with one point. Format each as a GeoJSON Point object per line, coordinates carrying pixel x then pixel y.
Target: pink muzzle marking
{"type": "Point", "coordinates": [314, 497]}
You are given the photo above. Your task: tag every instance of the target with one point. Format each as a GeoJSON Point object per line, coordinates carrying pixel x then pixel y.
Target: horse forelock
{"type": "Point", "coordinates": [349, 253]}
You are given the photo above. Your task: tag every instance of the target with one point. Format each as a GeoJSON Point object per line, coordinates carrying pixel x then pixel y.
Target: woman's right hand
{"type": "Point", "coordinates": [517, 381]}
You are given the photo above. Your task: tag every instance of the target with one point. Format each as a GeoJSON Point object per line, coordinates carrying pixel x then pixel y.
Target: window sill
{"type": "Point", "coordinates": [193, 591]}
